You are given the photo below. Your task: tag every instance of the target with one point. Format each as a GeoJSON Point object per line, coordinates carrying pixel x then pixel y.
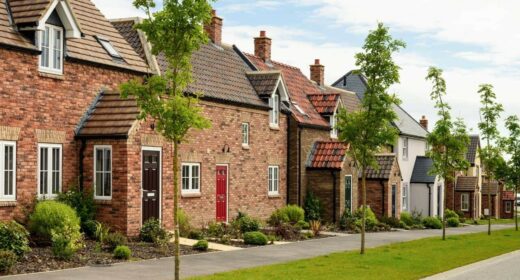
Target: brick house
{"type": "Point", "coordinates": [383, 187]}
{"type": "Point", "coordinates": [240, 163]}
{"type": "Point", "coordinates": [507, 203]}
{"type": "Point", "coordinates": [317, 162]}
{"type": "Point", "coordinates": [57, 57]}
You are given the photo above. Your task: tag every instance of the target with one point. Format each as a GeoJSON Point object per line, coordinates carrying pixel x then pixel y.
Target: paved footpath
{"type": "Point", "coordinates": [210, 263]}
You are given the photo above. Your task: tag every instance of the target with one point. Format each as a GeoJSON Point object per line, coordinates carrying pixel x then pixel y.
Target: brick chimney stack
{"type": "Point", "coordinates": [214, 28]}
{"type": "Point", "coordinates": [318, 72]}
{"type": "Point", "coordinates": [424, 122]}
{"type": "Point", "coordinates": [263, 46]}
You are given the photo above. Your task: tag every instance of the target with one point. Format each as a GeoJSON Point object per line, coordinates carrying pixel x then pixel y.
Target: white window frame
{"type": "Point", "coordinates": [245, 134]}
{"type": "Point", "coordinates": [96, 196]}
{"type": "Point", "coordinates": [273, 182]}
{"type": "Point", "coordinates": [462, 206]}
{"type": "Point", "coordinates": [274, 113]}
{"type": "Point", "coordinates": [404, 195]}
{"type": "Point", "coordinates": [333, 120]}
{"type": "Point", "coordinates": [4, 197]}
{"type": "Point", "coordinates": [508, 206]}
{"type": "Point", "coordinates": [49, 170]}
{"type": "Point", "coordinates": [190, 177]}
{"type": "Point", "coordinates": [50, 69]}
{"type": "Point", "coordinates": [405, 148]}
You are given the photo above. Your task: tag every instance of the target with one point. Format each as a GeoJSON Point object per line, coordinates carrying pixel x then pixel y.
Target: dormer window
{"type": "Point", "coordinates": [51, 45]}
{"type": "Point", "coordinates": [107, 45]}
{"type": "Point", "coordinates": [274, 114]}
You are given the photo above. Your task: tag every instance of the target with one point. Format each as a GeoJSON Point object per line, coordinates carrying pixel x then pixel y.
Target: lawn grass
{"type": "Point", "coordinates": [408, 260]}
{"type": "Point", "coordinates": [496, 221]}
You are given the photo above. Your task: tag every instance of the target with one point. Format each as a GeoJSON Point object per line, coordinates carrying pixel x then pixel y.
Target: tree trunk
{"type": "Point", "coordinates": [515, 210]}
{"type": "Point", "coordinates": [176, 208]}
{"type": "Point", "coordinates": [364, 205]}
{"type": "Point", "coordinates": [445, 200]}
{"type": "Point", "coordinates": [489, 205]}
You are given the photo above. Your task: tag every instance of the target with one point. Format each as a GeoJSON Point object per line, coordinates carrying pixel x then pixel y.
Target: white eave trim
{"type": "Point", "coordinates": [284, 93]}
{"type": "Point", "coordinates": [64, 11]}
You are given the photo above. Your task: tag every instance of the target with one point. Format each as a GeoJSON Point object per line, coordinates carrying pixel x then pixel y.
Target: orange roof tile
{"type": "Point", "coordinates": [327, 154]}
{"type": "Point", "coordinates": [324, 103]}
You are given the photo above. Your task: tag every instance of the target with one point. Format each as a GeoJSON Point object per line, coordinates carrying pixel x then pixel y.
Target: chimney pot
{"type": "Point", "coordinates": [214, 28]}
{"type": "Point", "coordinates": [424, 122]}
{"type": "Point", "coordinates": [318, 72]}
{"type": "Point", "coordinates": [263, 46]}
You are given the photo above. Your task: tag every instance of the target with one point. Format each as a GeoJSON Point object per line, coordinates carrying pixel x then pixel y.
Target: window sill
{"type": "Point", "coordinates": [274, 195]}
{"type": "Point", "coordinates": [274, 127]}
{"type": "Point", "coordinates": [8, 203]}
{"type": "Point", "coordinates": [102, 201]}
{"type": "Point", "coordinates": [55, 76]}
{"type": "Point", "coordinates": [245, 147]}
{"type": "Point", "coordinates": [191, 195]}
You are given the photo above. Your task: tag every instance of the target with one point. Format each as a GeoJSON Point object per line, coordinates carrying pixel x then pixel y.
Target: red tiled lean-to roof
{"type": "Point", "coordinates": [299, 87]}
{"type": "Point", "coordinates": [324, 103]}
{"type": "Point", "coordinates": [327, 154]}
{"type": "Point", "coordinates": [385, 164]}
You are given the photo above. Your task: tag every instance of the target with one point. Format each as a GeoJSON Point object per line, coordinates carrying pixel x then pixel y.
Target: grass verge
{"type": "Point", "coordinates": [407, 260]}
{"type": "Point", "coordinates": [496, 221]}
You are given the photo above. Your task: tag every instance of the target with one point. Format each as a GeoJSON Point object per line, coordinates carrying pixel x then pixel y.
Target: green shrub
{"type": "Point", "coordinates": [196, 234]}
{"type": "Point", "coordinates": [84, 205]}
{"type": "Point", "coordinates": [115, 239]}
{"type": "Point", "coordinates": [184, 223]}
{"type": "Point", "coordinates": [89, 228]}
{"type": "Point", "coordinates": [450, 214]}
{"type": "Point", "coordinates": [312, 207]}
{"type": "Point", "coordinates": [294, 213]}
{"type": "Point", "coordinates": [246, 224]}
{"type": "Point", "coordinates": [52, 215]}
{"type": "Point", "coordinates": [287, 231]}
{"type": "Point", "coordinates": [277, 218]}
{"type": "Point", "coordinates": [255, 238]}
{"type": "Point", "coordinates": [417, 217]}
{"type": "Point", "coordinates": [122, 252]}
{"type": "Point", "coordinates": [7, 260]}
{"type": "Point", "coordinates": [14, 237]}
{"type": "Point", "coordinates": [452, 222]}
{"type": "Point", "coordinates": [462, 218]}
{"type": "Point", "coordinates": [302, 225]}
{"type": "Point", "coordinates": [216, 229]}
{"type": "Point", "coordinates": [66, 241]}
{"type": "Point", "coordinates": [407, 218]}
{"type": "Point", "coordinates": [201, 245]}
{"type": "Point", "coordinates": [370, 218]}
{"type": "Point", "coordinates": [393, 222]}
{"type": "Point", "coordinates": [432, 223]}
{"type": "Point", "coordinates": [102, 231]}
{"type": "Point", "coordinates": [153, 232]}
{"type": "Point", "coordinates": [347, 221]}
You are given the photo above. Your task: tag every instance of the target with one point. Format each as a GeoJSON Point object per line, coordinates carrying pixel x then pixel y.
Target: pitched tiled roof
{"type": "Point", "coordinates": [264, 82]}
{"type": "Point", "coordinates": [474, 145]}
{"type": "Point", "coordinates": [385, 163]}
{"type": "Point", "coordinates": [127, 30]}
{"type": "Point", "coordinates": [110, 115]}
{"type": "Point", "coordinates": [421, 170]}
{"type": "Point", "coordinates": [494, 187]}
{"type": "Point", "coordinates": [406, 124]}
{"type": "Point", "coordinates": [466, 183]}
{"type": "Point", "coordinates": [349, 99]}
{"type": "Point", "coordinates": [324, 103]}
{"type": "Point", "coordinates": [327, 154]}
{"type": "Point", "coordinates": [299, 87]}
{"type": "Point", "coordinates": [508, 195]}
{"type": "Point", "coordinates": [86, 48]}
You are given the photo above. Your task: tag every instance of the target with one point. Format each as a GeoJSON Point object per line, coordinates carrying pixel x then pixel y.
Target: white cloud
{"type": "Point", "coordinates": [117, 8]}
{"type": "Point", "coordinates": [251, 6]}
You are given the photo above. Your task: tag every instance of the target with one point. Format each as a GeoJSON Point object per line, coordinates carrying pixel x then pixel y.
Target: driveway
{"type": "Point", "coordinates": [215, 262]}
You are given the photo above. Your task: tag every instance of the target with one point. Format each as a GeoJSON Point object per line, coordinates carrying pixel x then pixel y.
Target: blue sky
{"type": "Point", "coordinates": [474, 41]}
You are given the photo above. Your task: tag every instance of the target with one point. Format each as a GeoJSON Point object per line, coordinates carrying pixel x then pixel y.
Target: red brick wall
{"type": "Point", "coordinates": [457, 204]}
{"type": "Point", "coordinates": [31, 101]}
{"type": "Point", "coordinates": [494, 204]}
{"type": "Point", "coordinates": [376, 198]}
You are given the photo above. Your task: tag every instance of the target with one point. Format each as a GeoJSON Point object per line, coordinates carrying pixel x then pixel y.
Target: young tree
{"type": "Point", "coordinates": [175, 31]}
{"type": "Point", "coordinates": [509, 171]}
{"type": "Point", "coordinates": [490, 155]}
{"type": "Point", "coordinates": [448, 140]}
{"type": "Point", "coordinates": [370, 129]}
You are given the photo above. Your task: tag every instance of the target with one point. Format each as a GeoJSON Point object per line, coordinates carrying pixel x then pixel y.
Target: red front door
{"type": "Point", "coordinates": [222, 193]}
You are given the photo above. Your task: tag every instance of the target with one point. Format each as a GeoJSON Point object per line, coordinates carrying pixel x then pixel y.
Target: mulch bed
{"type": "Point", "coordinates": [41, 259]}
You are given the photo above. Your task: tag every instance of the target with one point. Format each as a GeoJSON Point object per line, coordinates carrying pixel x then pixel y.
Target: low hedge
{"type": "Point", "coordinates": [255, 238]}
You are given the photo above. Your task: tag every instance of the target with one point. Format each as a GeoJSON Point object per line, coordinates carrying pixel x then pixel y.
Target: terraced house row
{"type": "Point", "coordinates": [63, 124]}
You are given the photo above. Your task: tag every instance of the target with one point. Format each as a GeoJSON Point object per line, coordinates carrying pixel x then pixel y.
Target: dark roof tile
{"type": "Point", "coordinates": [421, 170]}
{"type": "Point", "coordinates": [474, 145]}
{"type": "Point", "coordinates": [466, 183]}
{"type": "Point", "coordinates": [385, 167]}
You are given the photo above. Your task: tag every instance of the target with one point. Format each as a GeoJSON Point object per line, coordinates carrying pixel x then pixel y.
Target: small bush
{"type": "Point", "coordinates": [407, 218]}
{"type": "Point", "coordinates": [312, 207]}
{"type": "Point", "coordinates": [246, 224]}
{"type": "Point", "coordinates": [371, 221]}
{"type": "Point", "coordinates": [462, 218]}
{"type": "Point", "coordinates": [432, 223]}
{"type": "Point", "coordinates": [215, 229]}
{"type": "Point", "coordinates": [153, 232]}
{"type": "Point", "coordinates": [66, 241]}
{"type": "Point", "coordinates": [184, 223]}
{"type": "Point", "coordinates": [122, 253]}
{"type": "Point", "coordinates": [347, 221]}
{"type": "Point", "coordinates": [51, 215]}
{"type": "Point", "coordinates": [277, 218]}
{"type": "Point", "coordinates": [255, 238]}
{"type": "Point", "coordinates": [393, 222]}
{"type": "Point", "coordinates": [196, 234]}
{"type": "Point", "coordinates": [84, 205]}
{"type": "Point", "coordinates": [101, 232]}
{"type": "Point", "coordinates": [315, 227]}
{"type": "Point", "coordinates": [417, 217]}
{"type": "Point", "coordinates": [89, 228]}
{"type": "Point", "coordinates": [294, 213]}
{"type": "Point", "coordinates": [7, 260]}
{"type": "Point", "coordinates": [450, 214]}
{"type": "Point", "coordinates": [302, 225]}
{"type": "Point", "coordinates": [201, 245]}
{"type": "Point", "coordinates": [14, 237]}
{"type": "Point", "coordinates": [115, 239]}
{"type": "Point", "coordinates": [452, 222]}
{"type": "Point", "coordinates": [287, 231]}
